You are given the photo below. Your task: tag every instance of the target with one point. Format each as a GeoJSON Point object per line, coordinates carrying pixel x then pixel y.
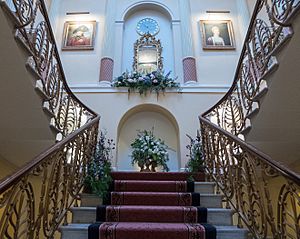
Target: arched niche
{"type": "Point", "coordinates": [144, 117]}
{"type": "Point", "coordinates": [130, 19]}
{"type": "Point", "coordinates": [142, 5]}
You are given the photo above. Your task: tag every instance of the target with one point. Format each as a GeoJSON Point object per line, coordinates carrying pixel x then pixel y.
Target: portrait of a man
{"type": "Point", "coordinates": [217, 34]}
{"type": "Point", "coordinates": [79, 35]}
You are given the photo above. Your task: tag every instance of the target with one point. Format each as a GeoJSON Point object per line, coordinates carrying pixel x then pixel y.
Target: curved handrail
{"type": "Point", "coordinates": [35, 200]}
{"type": "Point", "coordinates": [288, 173]}
{"type": "Point", "coordinates": [264, 193]}
{"type": "Point", "coordinates": [9, 181]}
{"type": "Point", "coordinates": [263, 37]}
{"type": "Point", "coordinates": [34, 30]}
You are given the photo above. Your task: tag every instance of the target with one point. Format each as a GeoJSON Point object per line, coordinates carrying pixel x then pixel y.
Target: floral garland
{"type": "Point", "coordinates": [147, 146]}
{"type": "Point", "coordinates": [154, 81]}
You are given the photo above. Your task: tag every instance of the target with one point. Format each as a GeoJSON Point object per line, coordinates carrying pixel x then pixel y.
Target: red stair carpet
{"type": "Point", "coordinates": [152, 206]}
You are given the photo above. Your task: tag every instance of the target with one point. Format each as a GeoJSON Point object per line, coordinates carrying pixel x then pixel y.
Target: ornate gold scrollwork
{"type": "Point", "coordinates": [147, 55]}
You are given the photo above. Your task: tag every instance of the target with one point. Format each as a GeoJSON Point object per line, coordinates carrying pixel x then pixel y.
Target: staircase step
{"type": "Point", "coordinates": [154, 198]}
{"type": "Point", "coordinates": [219, 216]}
{"type": "Point", "coordinates": [90, 200]}
{"type": "Point", "coordinates": [231, 232]}
{"type": "Point", "coordinates": [215, 216]}
{"type": "Point", "coordinates": [211, 200]}
{"type": "Point", "coordinates": [80, 231]}
{"type": "Point", "coordinates": [155, 176]}
{"type": "Point", "coordinates": [205, 187]}
{"type": "Point", "coordinates": [208, 200]}
{"type": "Point", "coordinates": [74, 231]}
{"type": "Point", "coordinates": [155, 214]}
{"type": "Point", "coordinates": [152, 186]}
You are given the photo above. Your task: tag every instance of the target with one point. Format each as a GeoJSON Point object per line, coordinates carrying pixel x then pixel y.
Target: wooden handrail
{"type": "Point", "coordinates": [253, 150]}
{"type": "Point", "coordinates": [8, 181]}
{"type": "Point", "coordinates": [45, 14]}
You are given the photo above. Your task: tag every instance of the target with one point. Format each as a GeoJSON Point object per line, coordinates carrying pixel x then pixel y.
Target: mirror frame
{"type": "Point", "coordinates": [147, 40]}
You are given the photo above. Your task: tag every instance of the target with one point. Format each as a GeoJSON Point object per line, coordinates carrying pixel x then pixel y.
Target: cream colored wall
{"type": "Point", "coordinates": [79, 66]}
{"type": "Point", "coordinates": [215, 69]}
{"type": "Point", "coordinates": [83, 67]}
{"type": "Point", "coordinates": [185, 107]}
{"type": "Point", "coordinates": [251, 5]}
{"type": "Point", "coordinates": [6, 168]}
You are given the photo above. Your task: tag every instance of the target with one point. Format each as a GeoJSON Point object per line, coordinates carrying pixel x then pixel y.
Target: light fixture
{"type": "Point", "coordinates": [77, 13]}
{"type": "Point", "coordinates": [217, 11]}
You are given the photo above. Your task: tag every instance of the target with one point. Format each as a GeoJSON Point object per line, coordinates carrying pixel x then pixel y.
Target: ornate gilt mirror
{"type": "Point", "coordinates": [147, 54]}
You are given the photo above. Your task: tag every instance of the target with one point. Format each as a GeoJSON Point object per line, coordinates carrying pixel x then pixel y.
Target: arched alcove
{"type": "Point", "coordinates": [144, 117]}
{"type": "Point", "coordinates": [142, 5]}
{"type": "Point", "coordinates": [132, 16]}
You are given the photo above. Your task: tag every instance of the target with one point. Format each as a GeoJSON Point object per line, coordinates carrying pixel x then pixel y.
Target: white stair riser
{"type": "Point", "coordinates": [211, 200]}
{"type": "Point", "coordinates": [206, 200]}
{"type": "Point", "coordinates": [234, 234]}
{"type": "Point", "coordinates": [204, 187]}
{"type": "Point", "coordinates": [74, 234]}
{"type": "Point", "coordinates": [70, 233]}
{"type": "Point", "coordinates": [215, 217]}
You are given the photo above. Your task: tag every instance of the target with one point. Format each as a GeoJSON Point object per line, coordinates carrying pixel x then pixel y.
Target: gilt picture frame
{"type": "Point", "coordinates": [79, 35]}
{"type": "Point", "coordinates": [217, 35]}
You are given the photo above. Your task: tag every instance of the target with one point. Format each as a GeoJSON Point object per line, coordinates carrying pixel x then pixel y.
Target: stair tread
{"type": "Point", "coordinates": [212, 209]}
{"type": "Point", "coordinates": [162, 176]}
{"type": "Point", "coordinates": [75, 226]}
{"type": "Point", "coordinates": [230, 228]}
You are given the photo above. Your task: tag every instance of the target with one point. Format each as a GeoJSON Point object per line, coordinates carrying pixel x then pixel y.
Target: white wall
{"type": "Point", "coordinates": [165, 35]}
{"type": "Point", "coordinates": [215, 67]}
{"type": "Point", "coordinates": [79, 66]}
{"type": "Point", "coordinates": [185, 108]}
{"type": "Point", "coordinates": [145, 120]}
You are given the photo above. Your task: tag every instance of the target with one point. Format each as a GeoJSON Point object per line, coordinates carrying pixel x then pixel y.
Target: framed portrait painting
{"type": "Point", "coordinates": [217, 35]}
{"type": "Point", "coordinates": [79, 35]}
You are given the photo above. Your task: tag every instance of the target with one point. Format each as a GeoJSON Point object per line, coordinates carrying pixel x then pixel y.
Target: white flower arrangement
{"type": "Point", "coordinates": [154, 81]}
{"type": "Point", "coordinates": [149, 151]}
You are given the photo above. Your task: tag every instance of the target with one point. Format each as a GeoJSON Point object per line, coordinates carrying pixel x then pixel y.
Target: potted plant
{"type": "Point", "coordinates": [195, 156]}
{"type": "Point", "coordinates": [98, 178]}
{"type": "Point", "coordinates": [149, 152]}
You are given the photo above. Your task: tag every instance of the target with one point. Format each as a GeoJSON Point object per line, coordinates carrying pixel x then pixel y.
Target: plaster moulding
{"type": "Point", "coordinates": [138, 4]}
{"type": "Point", "coordinates": [188, 87]}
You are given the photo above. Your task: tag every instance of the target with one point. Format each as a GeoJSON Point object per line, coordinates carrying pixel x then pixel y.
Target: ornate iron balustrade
{"type": "Point", "coordinates": [267, 32]}
{"type": "Point", "coordinates": [34, 30]}
{"type": "Point", "coordinates": [35, 200]}
{"type": "Point", "coordinates": [264, 194]}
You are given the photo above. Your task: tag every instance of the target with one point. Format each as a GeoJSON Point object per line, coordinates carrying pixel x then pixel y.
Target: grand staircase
{"type": "Point", "coordinates": [262, 193]}
{"type": "Point", "coordinates": [154, 205]}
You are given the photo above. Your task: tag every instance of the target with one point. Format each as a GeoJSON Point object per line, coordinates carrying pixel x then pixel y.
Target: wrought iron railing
{"type": "Point", "coordinates": [35, 200]}
{"type": "Point", "coordinates": [35, 32]}
{"type": "Point", "coordinates": [264, 194]}
{"type": "Point", "coordinates": [263, 38]}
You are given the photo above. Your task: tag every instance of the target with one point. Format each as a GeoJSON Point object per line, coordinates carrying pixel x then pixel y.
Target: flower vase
{"type": "Point", "coordinates": [147, 165]}
{"type": "Point", "coordinates": [153, 166]}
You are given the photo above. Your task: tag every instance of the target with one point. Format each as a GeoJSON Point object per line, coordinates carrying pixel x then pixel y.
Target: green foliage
{"type": "Point", "coordinates": [152, 82]}
{"type": "Point", "coordinates": [147, 146]}
{"type": "Point", "coordinates": [98, 179]}
{"type": "Point", "coordinates": [195, 157]}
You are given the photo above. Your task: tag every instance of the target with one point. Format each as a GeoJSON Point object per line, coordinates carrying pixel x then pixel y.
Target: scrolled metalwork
{"type": "Point", "coordinates": [35, 201]}
{"type": "Point", "coordinates": [264, 36]}
{"type": "Point", "coordinates": [264, 194]}
{"type": "Point", "coordinates": [35, 32]}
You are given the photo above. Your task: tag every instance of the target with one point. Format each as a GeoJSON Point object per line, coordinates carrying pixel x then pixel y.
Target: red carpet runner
{"type": "Point", "coordinates": [152, 206]}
